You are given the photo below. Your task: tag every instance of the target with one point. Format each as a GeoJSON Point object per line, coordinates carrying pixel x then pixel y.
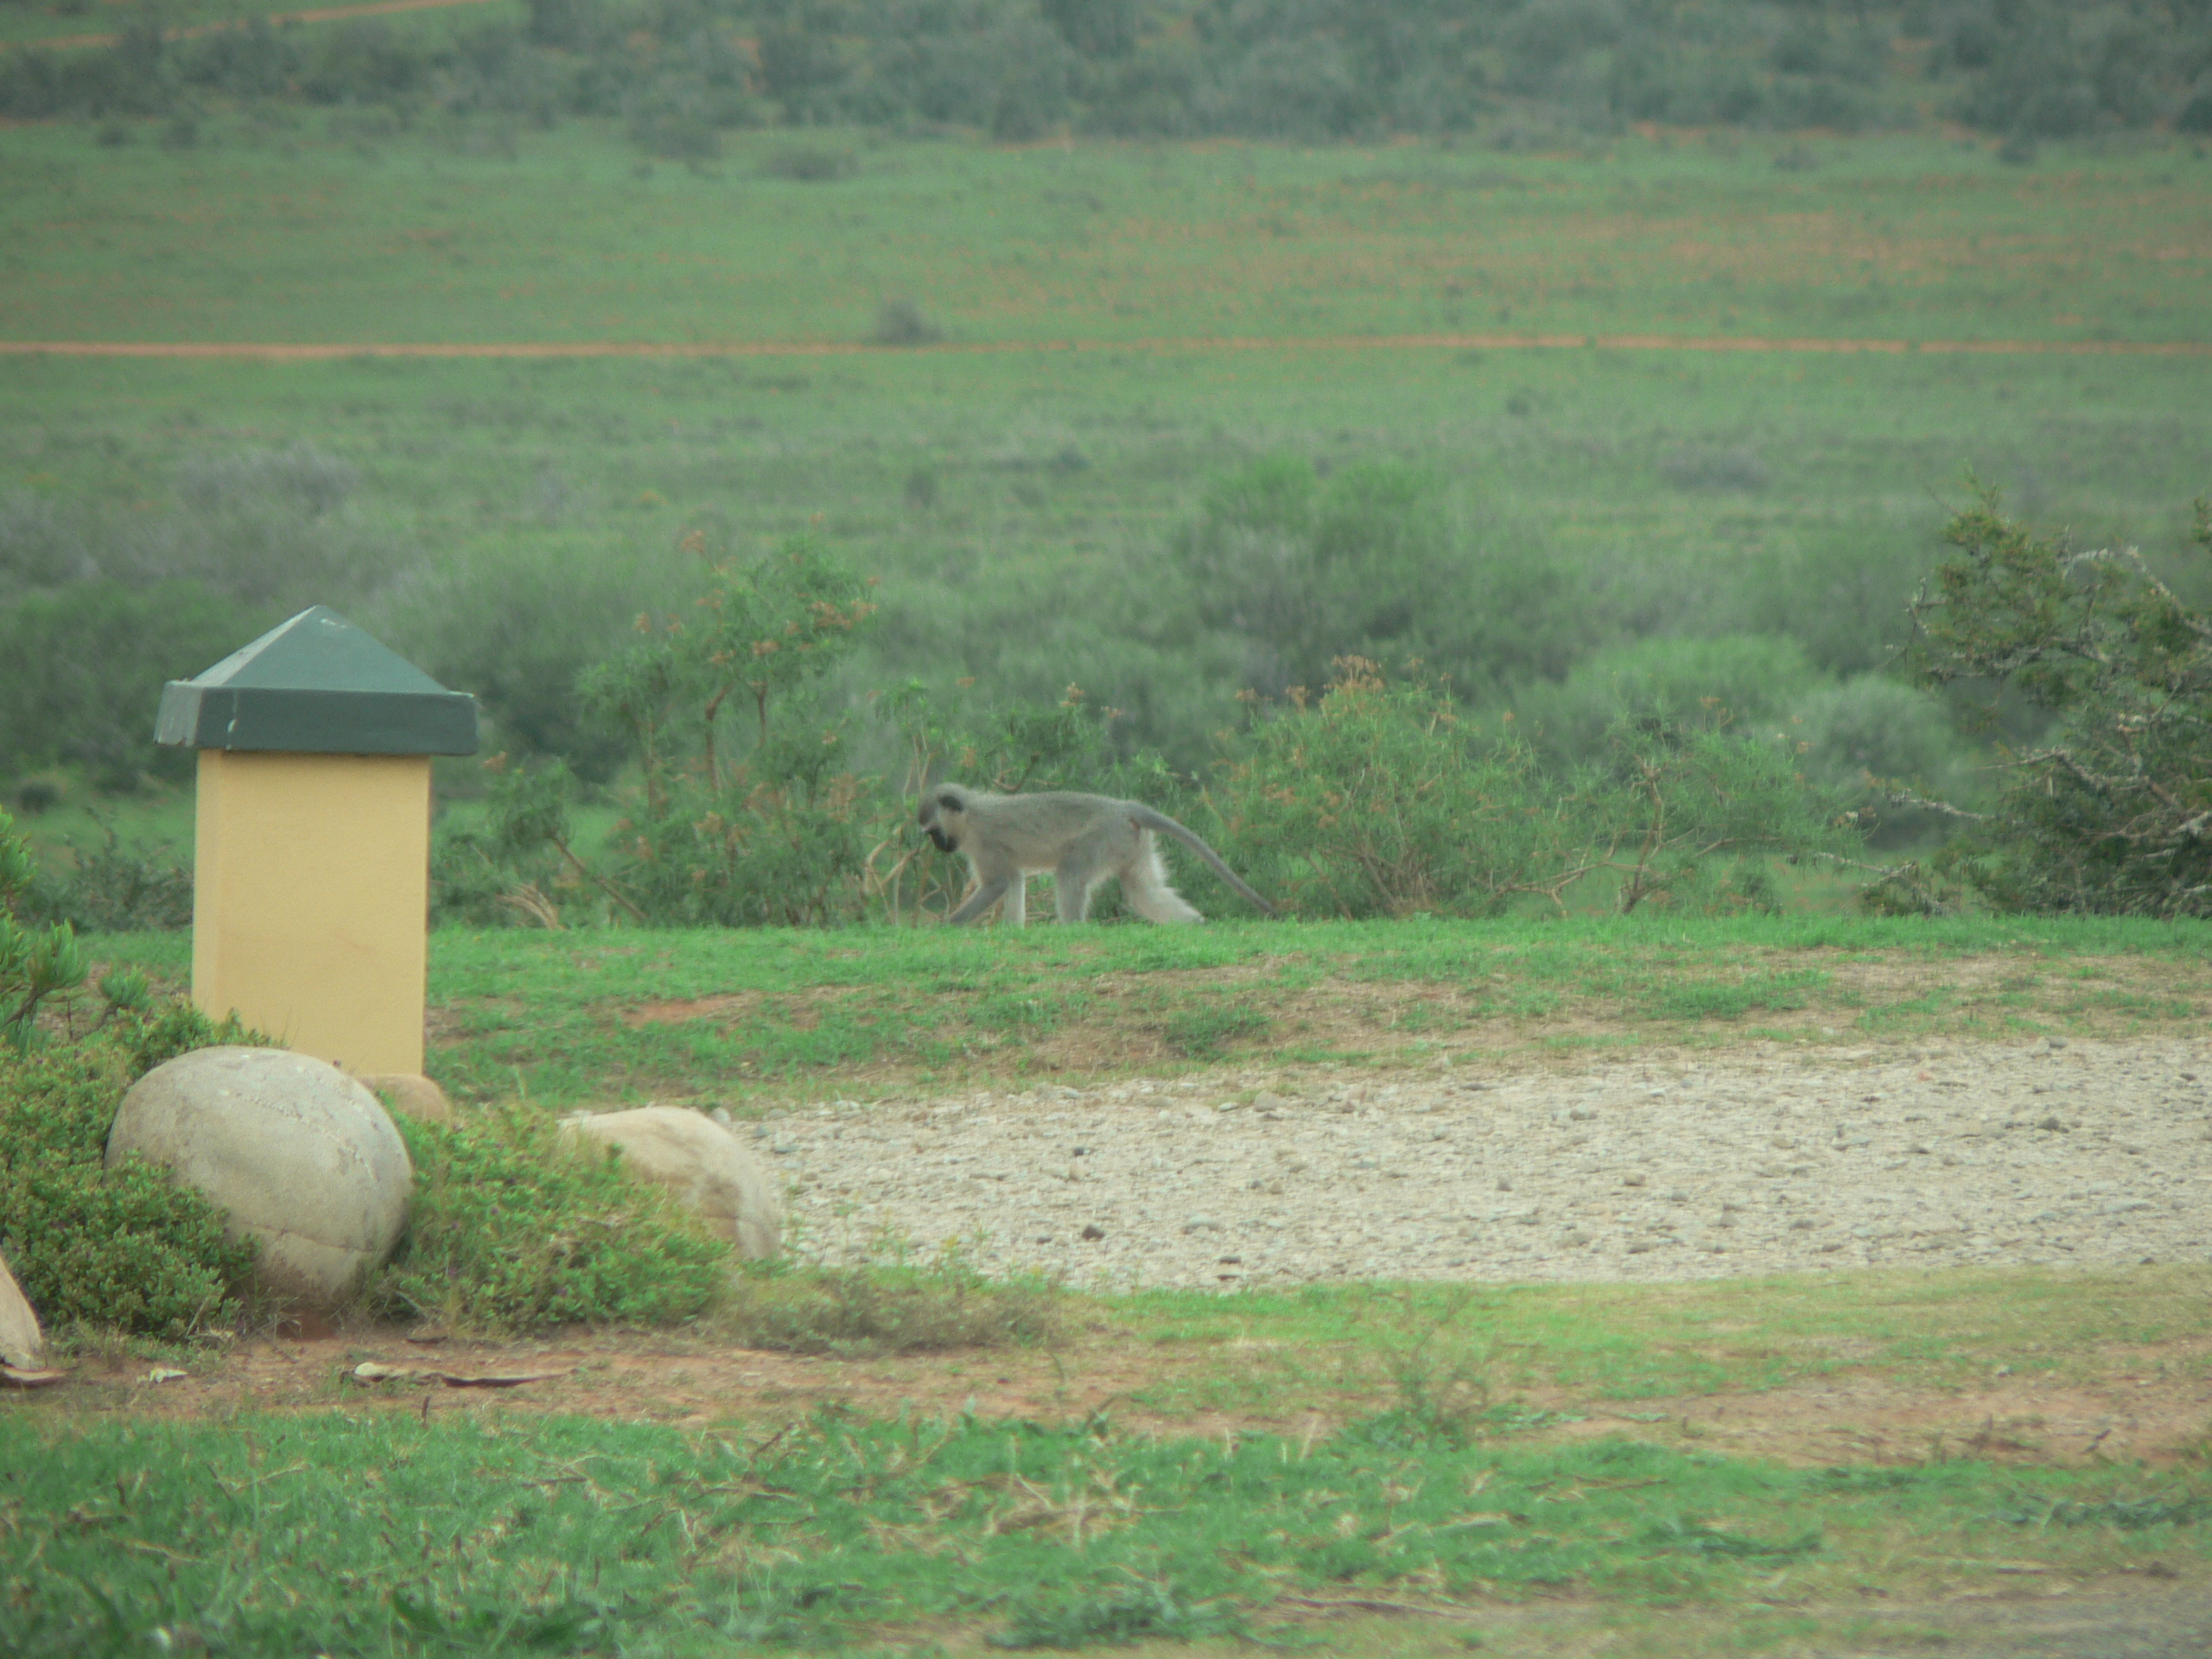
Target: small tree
{"type": "Point", "coordinates": [2111, 811]}
{"type": "Point", "coordinates": [1376, 799]}
{"type": "Point", "coordinates": [1689, 813]}
{"type": "Point", "coordinates": [778, 837]}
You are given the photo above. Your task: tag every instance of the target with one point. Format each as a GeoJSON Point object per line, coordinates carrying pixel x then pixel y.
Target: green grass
{"type": "Point", "coordinates": [731, 1016]}
{"type": "Point", "coordinates": [1902, 237]}
{"type": "Point", "coordinates": [385, 1532]}
{"type": "Point", "coordinates": [1570, 1349]}
{"type": "Point", "coordinates": [1566, 451]}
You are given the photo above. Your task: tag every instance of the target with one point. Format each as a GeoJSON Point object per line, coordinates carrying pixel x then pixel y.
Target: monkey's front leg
{"type": "Point", "coordinates": [983, 899]}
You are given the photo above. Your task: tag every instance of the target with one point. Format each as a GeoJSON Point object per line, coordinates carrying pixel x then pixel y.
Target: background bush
{"type": "Point", "coordinates": [101, 603]}
{"type": "Point", "coordinates": [2107, 813]}
{"type": "Point", "coordinates": [1379, 800]}
{"type": "Point", "coordinates": [681, 73]}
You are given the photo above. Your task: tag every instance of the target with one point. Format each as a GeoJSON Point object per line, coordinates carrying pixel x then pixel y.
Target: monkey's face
{"type": "Point", "coordinates": [939, 813]}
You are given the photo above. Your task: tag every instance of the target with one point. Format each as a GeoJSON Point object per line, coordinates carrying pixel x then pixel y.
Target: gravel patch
{"type": "Point", "coordinates": [1752, 1161]}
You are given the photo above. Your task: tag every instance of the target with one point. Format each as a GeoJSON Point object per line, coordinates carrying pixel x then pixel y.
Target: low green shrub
{"type": "Point", "coordinates": [518, 1227]}
{"type": "Point", "coordinates": [1378, 800]}
{"type": "Point", "coordinates": [118, 887]}
{"type": "Point", "coordinates": [125, 1249]}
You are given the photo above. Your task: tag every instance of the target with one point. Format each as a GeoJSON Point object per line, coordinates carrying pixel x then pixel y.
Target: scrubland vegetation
{"type": "Point", "coordinates": [678, 74]}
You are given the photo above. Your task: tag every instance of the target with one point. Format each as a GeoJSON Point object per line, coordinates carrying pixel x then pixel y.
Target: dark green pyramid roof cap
{"type": "Point", "coordinates": [317, 685]}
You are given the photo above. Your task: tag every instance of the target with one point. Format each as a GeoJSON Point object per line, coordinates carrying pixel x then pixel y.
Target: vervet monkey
{"type": "Point", "coordinates": [1081, 839]}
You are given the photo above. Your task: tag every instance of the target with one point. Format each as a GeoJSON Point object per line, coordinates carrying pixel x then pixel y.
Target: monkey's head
{"type": "Point", "coordinates": [943, 809]}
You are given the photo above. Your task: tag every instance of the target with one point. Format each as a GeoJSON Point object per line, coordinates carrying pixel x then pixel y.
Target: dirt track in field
{"type": "Point", "coordinates": [322, 351]}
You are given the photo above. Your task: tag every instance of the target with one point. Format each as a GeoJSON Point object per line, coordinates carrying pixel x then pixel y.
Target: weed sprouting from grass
{"type": "Point", "coordinates": [808, 163]}
{"type": "Point", "coordinates": [1712, 1542]}
{"type": "Point", "coordinates": [1208, 1031]}
{"type": "Point", "coordinates": [2125, 1514]}
{"type": "Point", "coordinates": [1137, 1612]}
{"type": "Point", "coordinates": [891, 1306]}
{"type": "Point", "coordinates": [1439, 1372]}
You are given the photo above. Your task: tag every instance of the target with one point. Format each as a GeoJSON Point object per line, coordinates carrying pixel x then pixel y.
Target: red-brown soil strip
{"type": "Point", "coordinates": [324, 350]}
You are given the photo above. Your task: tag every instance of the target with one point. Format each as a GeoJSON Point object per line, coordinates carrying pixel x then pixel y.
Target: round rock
{"type": "Point", "coordinates": [703, 1165]}
{"type": "Point", "coordinates": [22, 1345]}
{"type": "Point", "coordinates": [300, 1156]}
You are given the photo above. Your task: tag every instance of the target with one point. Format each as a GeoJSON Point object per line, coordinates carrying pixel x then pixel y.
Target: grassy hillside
{"type": "Point", "coordinates": [330, 234]}
{"type": "Point", "coordinates": [501, 520]}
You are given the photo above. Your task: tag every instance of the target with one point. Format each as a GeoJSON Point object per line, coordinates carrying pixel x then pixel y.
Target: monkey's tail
{"type": "Point", "coordinates": [1146, 818]}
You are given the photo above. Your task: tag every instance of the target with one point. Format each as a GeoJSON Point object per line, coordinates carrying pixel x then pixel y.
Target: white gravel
{"type": "Point", "coordinates": [1687, 1165]}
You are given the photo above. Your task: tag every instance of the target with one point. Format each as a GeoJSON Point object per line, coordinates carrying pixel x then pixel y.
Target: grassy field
{"type": "Point", "coordinates": [1693, 491]}
{"type": "Point", "coordinates": [730, 1017]}
{"type": "Point", "coordinates": [392, 1535]}
{"type": "Point", "coordinates": [330, 236]}
{"type": "Point", "coordinates": [1565, 1469]}
{"type": "Point", "coordinates": [1681, 490]}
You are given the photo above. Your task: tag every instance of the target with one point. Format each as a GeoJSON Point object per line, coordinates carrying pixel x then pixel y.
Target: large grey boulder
{"type": "Point", "coordinates": [22, 1345]}
{"type": "Point", "coordinates": [301, 1156]}
{"type": "Point", "coordinates": [703, 1165]}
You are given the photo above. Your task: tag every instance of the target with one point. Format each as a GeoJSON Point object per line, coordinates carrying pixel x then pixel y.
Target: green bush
{"type": "Point", "coordinates": [1686, 815]}
{"type": "Point", "coordinates": [1753, 679]}
{"type": "Point", "coordinates": [116, 887]}
{"type": "Point", "coordinates": [517, 1226]}
{"type": "Point", "coordinates": [125, 1249]}
{"type": "Point", "coordinates": [1367, 562]}
{"type": "Point", "coordinates": [1378, 800]}
{"type": "Point", "coordinates": [2107, 813]}
{"type": "Point", "coordinates": [82, 666]}
{"type": "Point", "coordinates": [516, 625]}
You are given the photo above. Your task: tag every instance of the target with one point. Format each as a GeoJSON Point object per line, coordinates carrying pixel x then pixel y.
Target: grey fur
{"type": "Point", "coordinates": [1082, 839]}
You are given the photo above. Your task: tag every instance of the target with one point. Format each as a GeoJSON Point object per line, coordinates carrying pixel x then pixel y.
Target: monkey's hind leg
{"type": "Point", "coordinates": [1016, 913]}
{"type": "Point", "coordinates": [1144, 886]}
{"type": "Point", "coordinates": [1077, 874]}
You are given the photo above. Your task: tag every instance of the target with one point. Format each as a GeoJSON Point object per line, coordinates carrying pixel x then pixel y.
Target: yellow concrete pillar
{"type": "Point", "coordinates": [311, 895]}
{"type": "Point", "coordinates": [308, 907]}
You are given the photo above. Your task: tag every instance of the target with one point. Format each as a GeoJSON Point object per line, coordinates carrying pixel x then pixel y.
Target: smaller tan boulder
{"type": "Point", "coordinates": [703, 1165]}
{"type": "Point", "coordinates": [411, 1095]}
{"type": "Point", "coordinates": [299, 1155]}
{"type": "Point", "coordinates": [22, 1345]}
